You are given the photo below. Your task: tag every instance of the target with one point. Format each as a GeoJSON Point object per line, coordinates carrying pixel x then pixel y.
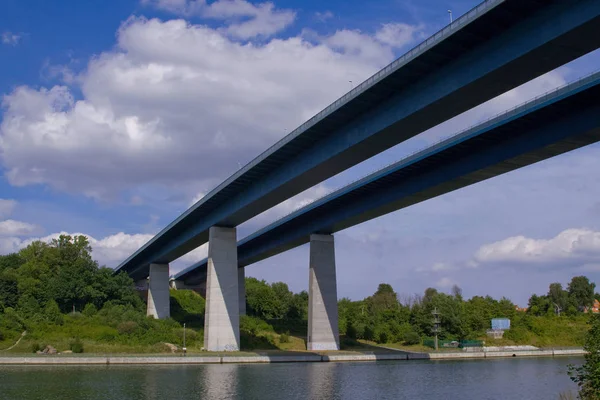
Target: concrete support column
{"type": "Point", "coordinates": [242, 290]}
{"type": "Point", "coordinates": [323, 331]}
{"type": "Point", "coordinates": [222, 316]}
{"type": "Point", "coordinates": [158, 291]}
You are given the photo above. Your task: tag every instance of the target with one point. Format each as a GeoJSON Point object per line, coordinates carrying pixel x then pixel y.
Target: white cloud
{"type": "Point", "coordinates": [570, 247]}
{"type": "Point", "coordinates": [109, 251]}
{"type": "Point", "coordinates": [10, 38]}
{"type": "Point", "coordinates": [288, 206]}
{"type": "Point", "coordinates": [244, 20]}
{"type": "Point", "coordinates": [398, 34]}
{"type": "Point", "coordinates": [197, 198]}
{"type": "Point", "coordinates": [174, 105]}
{"type": "Point", "coordinates": [11, 227]}
{"type": "Point", "coordinates": [436, 267]}
{"type": "Point", "coordinates": [6, 207]}
{"type": "Point", "coordinates": [445, 283]}
{"type": "Point", "coordinates": [323, 16]}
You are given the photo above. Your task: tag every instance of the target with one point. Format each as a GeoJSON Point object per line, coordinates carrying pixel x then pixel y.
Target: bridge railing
{"type": "Point", "coordinates": [519, 109]}
{"type": "Point", "coordinates": [448, 30]}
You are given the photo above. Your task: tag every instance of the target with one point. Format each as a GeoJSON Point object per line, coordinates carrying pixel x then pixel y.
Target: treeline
{"type": "Point", "coordinates": [60, 274]}
{"type": "Point", "coordinates": [57, 290]}
{"type": "Point", "coordinates": [384, 318]}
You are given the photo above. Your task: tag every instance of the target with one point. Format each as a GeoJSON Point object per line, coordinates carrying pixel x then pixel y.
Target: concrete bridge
{"type": "Point", "coordinates": [494, 48]}
{"type": "Point", "coordinates": [561, 121]}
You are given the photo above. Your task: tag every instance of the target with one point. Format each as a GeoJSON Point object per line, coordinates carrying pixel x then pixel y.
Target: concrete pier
{"type": "Point", "coordinates": [158, 291]}
{"type": "Point", "coordinates": [242, 290]}
{"type": "Point", "coordinates": [222, 316]}
{"type": "Point", "coordinates": [323, 331]}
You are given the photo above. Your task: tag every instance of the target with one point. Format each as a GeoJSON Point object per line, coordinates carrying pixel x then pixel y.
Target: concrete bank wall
{"type": "Point", "coordinates": [399, 355]}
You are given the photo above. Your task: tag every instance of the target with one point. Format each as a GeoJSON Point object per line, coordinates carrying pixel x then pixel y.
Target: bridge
{"type": "Point", "coordinates": [494, 48]}
{"type": "Point", "coordinates": [560, 121]}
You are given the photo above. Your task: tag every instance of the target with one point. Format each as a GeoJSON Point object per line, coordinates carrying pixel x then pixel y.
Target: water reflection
{"type": "Point", "coordinates": [467, 380]}
{"type": "Point", "coordinates": [219, 382]}
{"type": "Point", "coordinates": [322, 381]}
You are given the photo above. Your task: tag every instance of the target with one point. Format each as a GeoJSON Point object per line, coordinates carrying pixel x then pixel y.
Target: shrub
{"type": "Point", "coordinates": [76, 346]}
{"type": "Point", "coordinates": [284, 337]}
{"type": "Point", "coordinates": [351, 330]}
{"type": "Point", "coordinates": [383, 337]}
{"type": "Point", "coordinates": [127, 327]}
{"type": "Point", "coordinates": [253, 325]}
{"type": "Point", "coordinates": [1, 335]}
{"type": "Point", "coordinates": [90, 310]}
{"type": "Point", "coordinates": [35, 347]}
{"type": "Point", "coordinates": [412, 338]}
{"type": "Point", "coordinates": [190, 335]}
{"type": "Point", "coordinates": [368, 334]}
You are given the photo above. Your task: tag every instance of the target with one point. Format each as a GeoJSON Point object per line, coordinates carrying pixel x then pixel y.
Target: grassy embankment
{"type": "Point", "coordinates": [122, 329]}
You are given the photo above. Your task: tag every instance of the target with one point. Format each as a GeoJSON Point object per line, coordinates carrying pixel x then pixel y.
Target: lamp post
{"type": "Point", "coordinates": [450, 12]}
{"type": "Point", "coordinates": [184, 349]}
{"type": "Point", "coordinates": [436, 326]}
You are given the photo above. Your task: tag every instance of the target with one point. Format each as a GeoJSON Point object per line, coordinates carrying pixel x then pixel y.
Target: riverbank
{"type": "Point", "coordinates": [273, 357]}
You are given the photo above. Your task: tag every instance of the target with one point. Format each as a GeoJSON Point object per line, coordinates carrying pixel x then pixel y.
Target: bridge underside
{"type": "Point", "coordinates": [508, 45]}
{"type": "Point", "coordinates": [559, 124]}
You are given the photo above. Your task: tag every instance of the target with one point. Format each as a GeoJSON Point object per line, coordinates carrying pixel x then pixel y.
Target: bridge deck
{"type": "Point", "coordinates": [496, 47]}
{"type": "Point", "coordinates": [566, 119]}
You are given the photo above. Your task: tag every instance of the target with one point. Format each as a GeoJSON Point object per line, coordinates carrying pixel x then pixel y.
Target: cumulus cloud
{"type": "Point", "coordinates": [244, 20]}
{"type": "Point", "coordinates": [175, 105]}
{"type": "Point", "coordinates": [323, 16]}
{"type": "Point", "coordinates": [288, 206]}
{"type": "Point", "coordinates": [10, 38]}
{"type": "Point", "coordinates": [109, 251]}
{"type": "Point", "coordinates": [11, 227]}
{"type": "Point", "coordinates": [445, 283]}
{"type": "Point", "coordinates": [399, 34]}
{"type": "Point", "coordinates": [570, 247]}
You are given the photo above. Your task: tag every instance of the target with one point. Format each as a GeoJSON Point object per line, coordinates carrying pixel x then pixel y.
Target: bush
{"type": "Point", "coordinates": [351, 331]}
{"type": "Point", "coordinates": [127, 327]}
{"type": "Point", "coordinates": [35, 347]}
{"type": "Point", "coordinates": [284, 337]}
{"type": "Point", "coordinates": [368, 334]}
{"type": "Point", "coordinates": [90, 310]}
{"type": "Point", "coordinates": [190, 335]}
{"type": "Point", "coordinates": [383, 337]}
{"type": "Point", "coordinates": [253, 326]}
{"type": "Point", "coordinates": [1, 335]}
{"type": "Point", "coordinates": [412, 338]}
{"type": "Point", "coordinates": [76, 346]}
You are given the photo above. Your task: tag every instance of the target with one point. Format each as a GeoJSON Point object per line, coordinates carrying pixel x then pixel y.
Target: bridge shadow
{"type": "Point", "coordinates": [180, 314]}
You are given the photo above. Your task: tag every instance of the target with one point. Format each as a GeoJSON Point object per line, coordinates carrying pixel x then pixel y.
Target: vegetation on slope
{"type": "Point", "coordinates": [61, 297]}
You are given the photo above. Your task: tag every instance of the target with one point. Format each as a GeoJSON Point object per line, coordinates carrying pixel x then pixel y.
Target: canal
{"type": "Point", "coordinates": [514, 378]}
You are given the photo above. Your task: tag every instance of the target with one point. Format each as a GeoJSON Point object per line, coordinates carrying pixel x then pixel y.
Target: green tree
{"type": "Point", "coordinates": [9, 290]}
{"type": "Point", "coordinates": [262, 301]}
{"type": "Point", "coordinates": [558, 296]}
{"type": "Point", "coordinates": [10, 261]}
{"type": "Point", "coordinates": [581, 292]}
{"type": "Point", "coordinates": [587, 376]}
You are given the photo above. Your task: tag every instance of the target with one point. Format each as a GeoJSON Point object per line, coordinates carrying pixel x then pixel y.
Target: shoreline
{"type": "Point", "coordinates": [395, 355]}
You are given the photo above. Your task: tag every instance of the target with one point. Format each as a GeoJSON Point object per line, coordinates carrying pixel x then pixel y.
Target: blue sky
{"type": "Point", "coordinates": [117, 115]}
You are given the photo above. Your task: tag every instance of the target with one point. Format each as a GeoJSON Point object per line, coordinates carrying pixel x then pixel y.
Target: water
{"type": "Point", "coordinates": [533, 378]}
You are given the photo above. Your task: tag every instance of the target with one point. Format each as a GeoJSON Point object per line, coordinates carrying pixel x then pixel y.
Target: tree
{"type": "Point", "coordinates": [558, 296]}
{"type": "Point", "coordinates": [581, 292]}
{"type": "Point", "coordinates": [538, 305]}
{"type": "Point", "coordinates": [9, 292]}
{"type": "Point", "coordinates": [10, 261]}
{"type": "Point", "coordinates": [457, 292]}
{"type": "Point", "coordinates": [587, 376]}
{"type": "Point", "coordinates": [262, 300]}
